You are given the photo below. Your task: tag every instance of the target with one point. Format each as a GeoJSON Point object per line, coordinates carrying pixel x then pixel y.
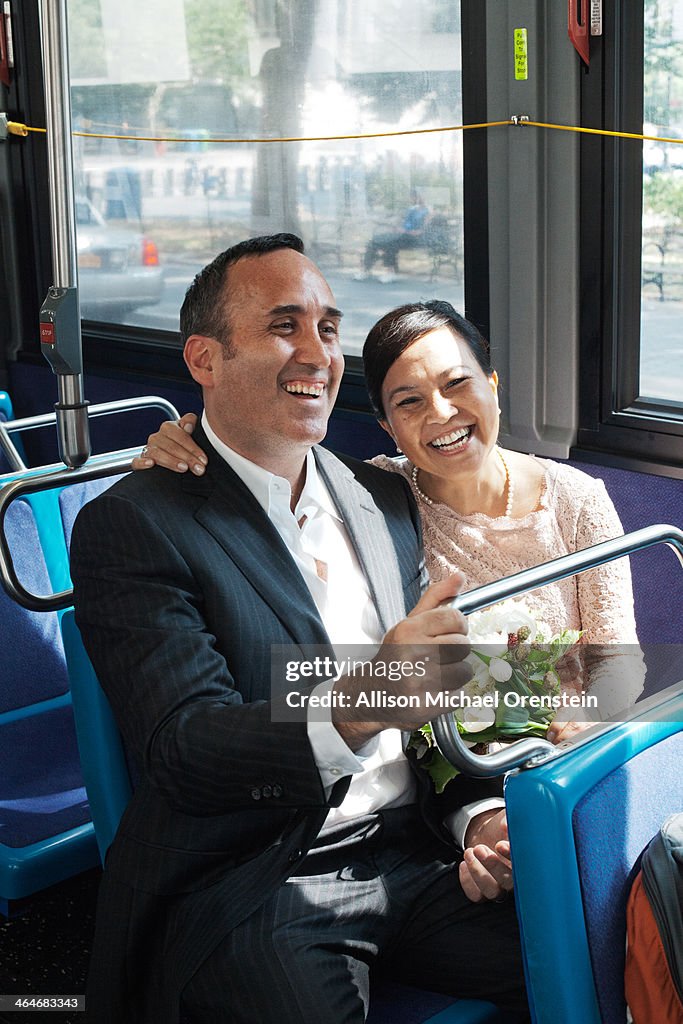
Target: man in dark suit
{"type": "Point", "coordinates": [263, 864]}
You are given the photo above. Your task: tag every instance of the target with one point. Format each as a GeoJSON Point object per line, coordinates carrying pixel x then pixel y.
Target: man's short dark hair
{"type": "Point", "coordinates": [204, 309]}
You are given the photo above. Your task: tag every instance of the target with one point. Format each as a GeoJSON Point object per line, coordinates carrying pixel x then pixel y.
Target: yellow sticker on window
{"type": "Point", "coordinates": [521, 55]}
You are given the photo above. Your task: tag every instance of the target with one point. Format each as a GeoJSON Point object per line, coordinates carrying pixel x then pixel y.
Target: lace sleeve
{"type": "Point", "coordinates": [612, 658]}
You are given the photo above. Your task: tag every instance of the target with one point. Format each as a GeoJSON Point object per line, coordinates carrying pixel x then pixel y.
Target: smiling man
{"type": "Point", "coordinates": [264, 866]}
{"type": "Point", "coordinates": [269, 359]}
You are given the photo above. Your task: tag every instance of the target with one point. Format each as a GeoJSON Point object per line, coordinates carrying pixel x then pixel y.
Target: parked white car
{"type": "Point", "coordinates": [118, 267]}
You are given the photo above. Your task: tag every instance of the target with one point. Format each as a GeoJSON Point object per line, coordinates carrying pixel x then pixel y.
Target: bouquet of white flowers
{"type": "Point", "coordinates": [515, 688]}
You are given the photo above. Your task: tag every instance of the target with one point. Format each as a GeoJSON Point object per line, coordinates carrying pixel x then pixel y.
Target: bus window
{"type": "Point", "coordinates": [381, 216]}
{"type": "Point", "coordinates": [662, 266]}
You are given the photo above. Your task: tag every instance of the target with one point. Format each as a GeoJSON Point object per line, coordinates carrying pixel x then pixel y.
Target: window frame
{"type": "Point", "coordinates": [613, 418]}
{"type": "Point", "coordinates": [26, 166]}
{"type": "Point", "coordinates": [475, 166]}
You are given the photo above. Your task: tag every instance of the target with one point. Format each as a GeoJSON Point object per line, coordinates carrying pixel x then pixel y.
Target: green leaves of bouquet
{"type": "Point", "coordinates": [511, 692]}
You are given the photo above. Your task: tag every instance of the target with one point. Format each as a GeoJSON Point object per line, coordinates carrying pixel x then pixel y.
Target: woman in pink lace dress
{"type": "Point", "coordinates": [485, 511]}
{"type": "Point", "coordinates": [492, 513]}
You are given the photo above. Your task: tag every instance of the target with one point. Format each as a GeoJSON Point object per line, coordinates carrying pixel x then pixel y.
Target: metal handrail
{"type": "Point", "coordinates": [101, 409]}
{"type": "Point", "coordinates": [10, 450]}
{"type": "Point", "coordinates": [45, 478]}
{"type": "Point", "coordinates": [47, 419]}
{"type": "Point", "coordinates": [40, 480]}
{"type": "Point", "coordinates": [529, 751]}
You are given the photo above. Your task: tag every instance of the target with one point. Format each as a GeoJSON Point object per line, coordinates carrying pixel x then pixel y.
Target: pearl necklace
{"type": "Point", "coordinates": [420, 493]}
{"type": "Point", "coordinates": [509, 485]}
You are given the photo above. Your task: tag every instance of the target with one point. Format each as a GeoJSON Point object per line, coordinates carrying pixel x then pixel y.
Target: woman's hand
{"type": "Point", "coordinates": [559, 732]}
{"type": "Point", "coordinates": [486, 868]}
{"type": "Point", "coordinates": [570, 670]}
{"type": "Point", "coordinates": [173, 448]}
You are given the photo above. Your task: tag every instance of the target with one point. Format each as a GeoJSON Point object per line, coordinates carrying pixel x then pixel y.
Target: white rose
{"type": "Point", "coordinates": [477, 719]}
{"type": "Point", "coordinates": [481, 680]}
{"type": "Point", "coordinates": [500, 670]}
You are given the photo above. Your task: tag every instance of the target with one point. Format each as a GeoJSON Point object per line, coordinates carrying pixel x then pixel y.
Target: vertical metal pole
{"type": "Point", "coordinates": [60, 332]}
{"type": "Point", "coordinates": [59, 151]}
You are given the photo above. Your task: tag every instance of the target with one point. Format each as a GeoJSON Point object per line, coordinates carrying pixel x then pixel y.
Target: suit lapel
{"type": "Point", "coordinates": [236, 520]}
{"type": "Point", "coordinates": [232, 515]}
{"type": "Point", "coordinates": [369, 535]}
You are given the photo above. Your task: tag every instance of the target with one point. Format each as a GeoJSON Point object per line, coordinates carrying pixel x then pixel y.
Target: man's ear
{"type": "Point", "coordinates": [200, 355]}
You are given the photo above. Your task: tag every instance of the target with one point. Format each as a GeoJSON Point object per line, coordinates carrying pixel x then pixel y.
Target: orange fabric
{"type": "Point", "coordinates": [650, 991]}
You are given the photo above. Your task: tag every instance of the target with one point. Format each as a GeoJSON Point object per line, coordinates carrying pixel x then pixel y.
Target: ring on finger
{"type": "Point", "coordinates": [143, 453]}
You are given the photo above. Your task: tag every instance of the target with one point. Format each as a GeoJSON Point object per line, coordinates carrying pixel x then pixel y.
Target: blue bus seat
{"type": "Point", "coordinates": [33, 666]}
{"type": "Point", "coordinates": [577, 827]}
{"type": "Point", "coordinates": [105, 768]}
{"type": "Point", "coordinates": [72, 499]}
{"type": "Point", "coordinates": [46, 834]}
{"type": "Point", "coordinates": [108, 784]}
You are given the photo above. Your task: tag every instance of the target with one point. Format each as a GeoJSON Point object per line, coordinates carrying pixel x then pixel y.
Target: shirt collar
{"type": "Point", "coordinates": [268, 488]}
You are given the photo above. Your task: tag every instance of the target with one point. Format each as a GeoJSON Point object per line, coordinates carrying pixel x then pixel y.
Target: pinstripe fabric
{"type": "Point", "coordinates": [181, 586]}
{"type": "Point", "coordinates": [384, 898]}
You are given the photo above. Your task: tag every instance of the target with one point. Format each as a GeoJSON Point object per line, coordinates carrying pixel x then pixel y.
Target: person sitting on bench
{"type": "Point", "coordinates": [389, 244]}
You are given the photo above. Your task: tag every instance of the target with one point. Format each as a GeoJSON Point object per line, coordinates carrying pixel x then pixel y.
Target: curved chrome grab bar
{"type": "Point", "coordinates": [10, 450]}
{"type": "Point", "coordinates": [45, 419]}
{"type": "Point", "coordinates": [45, 478]}
{"type": "Point", "coordinates": [525, 751]}
{"type": "Point", "coordinates": [39, 480]}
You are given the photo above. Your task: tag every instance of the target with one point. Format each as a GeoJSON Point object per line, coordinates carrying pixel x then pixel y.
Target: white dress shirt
{"type": "Point", "coordinates": [314, 533]}
{"type": "Point", "coordinates": [381, 774]}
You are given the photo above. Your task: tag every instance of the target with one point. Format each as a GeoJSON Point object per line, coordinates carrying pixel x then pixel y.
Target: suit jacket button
{"type": "Point", "coordinates": [267, 791]}
{"type": "Point", "coordinates": [295, 855]}
{"type": "Point", "coordinates": [277, 790]}
{"type": "Point", "coordinates": [256, 794]}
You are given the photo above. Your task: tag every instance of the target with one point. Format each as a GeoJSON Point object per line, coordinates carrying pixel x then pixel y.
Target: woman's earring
{"type": "Point", "coordinates": [399, 450]}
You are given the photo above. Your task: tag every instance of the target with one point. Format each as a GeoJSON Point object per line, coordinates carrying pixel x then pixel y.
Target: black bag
{"type": "Point", "coordinates": [654, 925]}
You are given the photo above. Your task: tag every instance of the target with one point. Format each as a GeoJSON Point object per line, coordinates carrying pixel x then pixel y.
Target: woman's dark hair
{"type": "Point", "coordinates": [204, 310]}
{"type": "Point", "coordinates": [401, 327]}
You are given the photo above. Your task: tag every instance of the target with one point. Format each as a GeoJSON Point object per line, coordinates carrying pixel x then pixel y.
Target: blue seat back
{"type": "Point", "coordinates": [72, 499]}
{"type": "Point", "coordinates": [577, 827]}
{"type": "Point", "coordinates": [642, 499]}
{"type": "Point", "coordinates": [105, 769]}
{"type": "Point", "coordinates": [646, 787]}
{"type": "Point", "coordinates": [46, 833]}
{"type": "Point", "coordinates": [33, 668]}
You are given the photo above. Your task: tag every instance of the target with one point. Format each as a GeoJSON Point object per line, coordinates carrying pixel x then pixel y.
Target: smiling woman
{"type": "Point", "coordinates": [439, 405]}
{"type": "Point", "coordinates": [491, 513]}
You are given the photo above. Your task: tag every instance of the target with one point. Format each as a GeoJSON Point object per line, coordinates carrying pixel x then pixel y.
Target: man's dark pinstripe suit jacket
{"type": "Point", "coordinates": [181, 586]}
